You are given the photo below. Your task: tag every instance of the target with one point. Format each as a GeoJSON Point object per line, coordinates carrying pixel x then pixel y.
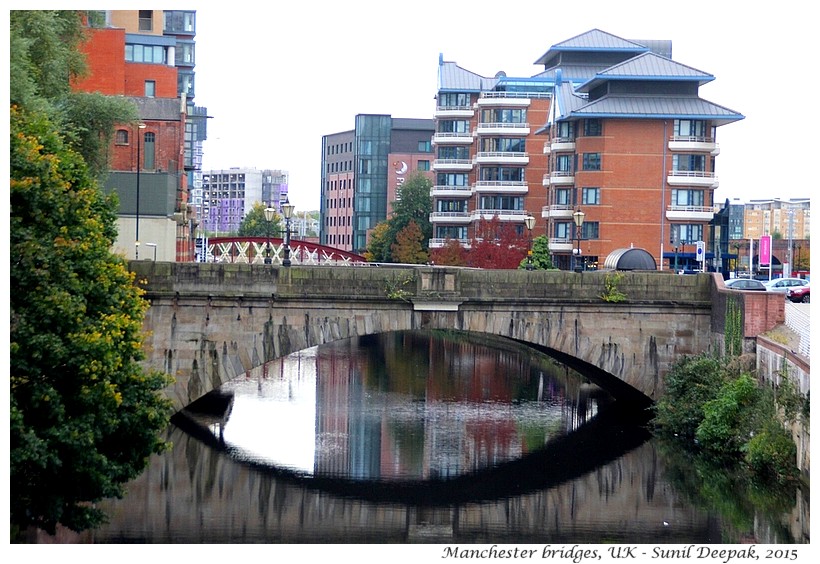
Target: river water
{"type": "Point", "coordinates": [431, 437]}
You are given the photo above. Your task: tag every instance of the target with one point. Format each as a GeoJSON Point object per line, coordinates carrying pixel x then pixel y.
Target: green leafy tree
{"type": "Point", "coordinates": [84, 414]}
{"type": "Point", "coordinates": [378, 245]}
{"type": "Point", "coordinates": [409, 245]}
{"type": "Point", "coordinates": [541, 259]}
{"type": "Point", "coordinates": [413, 204]}
{"type": "Point", "coordinates": [254, 223]}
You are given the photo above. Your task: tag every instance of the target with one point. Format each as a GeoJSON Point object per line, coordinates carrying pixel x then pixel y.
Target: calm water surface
{"type": "Point", "coordinates": [423, 437]}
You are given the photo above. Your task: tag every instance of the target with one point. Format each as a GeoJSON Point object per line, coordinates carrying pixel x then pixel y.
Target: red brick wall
{"type": "Point", "coordinates": [762, 312]}
{"type": "Point", "coordinates": [164, 76]}
{"type": "Point", "coordinates": [168, 151]}
{"type": "Point", "coordinates": [105, 57]}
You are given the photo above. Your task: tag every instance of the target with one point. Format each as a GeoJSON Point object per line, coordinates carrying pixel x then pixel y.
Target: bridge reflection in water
{"type": "Point", "coordinates": [594, 478]}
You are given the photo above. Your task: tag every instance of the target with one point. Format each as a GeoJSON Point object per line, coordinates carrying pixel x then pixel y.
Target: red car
{"type": "Point", "coordinates": [799, 294]}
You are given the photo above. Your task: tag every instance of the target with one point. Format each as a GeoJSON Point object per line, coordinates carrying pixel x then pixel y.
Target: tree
{"type": "Point", "coordinates": [84, 415]}
{"type": "Point", "coordinates": [408, 247]}
{"type": "Point", "coordinates": [254, 223]}
{"type": "Point", "coordinates": [451, 254]}
{"type": "Point", "coordinates": [496, 245]}
{"type": "Point", "coordinates": [378, 245]}
{"type": "Point", "coordinates": [541, 259]}
{"type": "Point", "coordinates": [413, 203]}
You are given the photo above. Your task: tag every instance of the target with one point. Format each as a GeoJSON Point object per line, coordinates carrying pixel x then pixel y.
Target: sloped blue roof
{"type": "Point", "coordinates": [648, 66]}
{"type": "Point", "coordinates": [590, 41]}
{"type": "Point", "coordinates": [655, 107]}
{"type": "Point", "coordinates": [454, 78]}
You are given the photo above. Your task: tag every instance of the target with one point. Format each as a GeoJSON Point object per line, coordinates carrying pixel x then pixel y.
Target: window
{"type": "Point", "coordinates": [503, 145]}
{"type": "Point", "coordinates": [364, 166]}
{"type": "Point", "coordinates": [690, 128]}
{"type": "Point", "coordinates": [593, 127]}
{"type": "Point", "coordinates": [502, 173]}
{"type": "Point", "coordinates": [687, 197]}
{"type": "Point", "coordinates": [451, 231]}
{"type": "Point", "coordinates": [565, 130]}
{"type": "Point", "coordinates": [425, 147]}
{"type": "Point", "coordinates": [453, 126]}
{"type": "Point", "coordinates": [689, 163]}
{"type": "Point", "coordinates": [451, 179]}
{"type": "Point", "coordinates": [686, 234]}
{"type": "Point", "coordinates": [563, 230]}
{"type": "Point", "coordinates": [149, 151]}
{"type": "Point", "coordinates": [501, 115]}
{"type": "Point", "coordinates": [563, 197]}
{"type": "Point", "coordinates": [563, 163]}
{"type": "Point", "coordinates": [451, 206]}
{"type": "Point", "coordinates": [589, 230]}
{"type": "Point", "coordinates": [454, 100]}
{"type": "Point", "coordinates": [122, 137]}
{"type": "Point", "coordinates": [502, 203]}
{"type": "Point", "coordinates": [135, 53]}
{"type": "Point", "coordinates": [591, 196]}
{"type": "Point", "coordinates": [150, 89]}
{"type": "Point", "coordinates": [424, 166]}
{"type": "Point", "coordinates": [146, 20]}
{"type": "Point", "coordinates": [592, 161]}
{"type": "Point", "coordinates": [454, 153]}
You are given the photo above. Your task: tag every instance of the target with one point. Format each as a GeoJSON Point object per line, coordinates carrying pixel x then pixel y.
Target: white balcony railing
{"type": "Point", "coordinates": [693, 213]}
{"type": "Point", "coordinates": [557, 211]}
{"type": "Point", "coordinates": [450, 217]}
{"type": "Point", "coordinates": [694, 144]}
{"type": "Point", "coordinates": [454, 111]}
{"type": "Point", "coordinates": [556, 177]}
{"type": "Point", "coordinates": [452, 138]}
{"type": "Point", "coordinates": [692, 178]}
{"type": "Point", "coordinates": [503, 128]}
{"type": "Point", "coordinates": [457, 191]}
{"type": "Point", "coordinates": [502, 186]}
{"type": "Point", "coordinates": [452, 164]}
{"type": "Point", "coordinates": [502, 157]}
{"type": "Point", "coordinates": [560, 245]}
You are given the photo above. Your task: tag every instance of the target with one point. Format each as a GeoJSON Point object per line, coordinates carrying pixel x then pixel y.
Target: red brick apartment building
{"type": "Point", "coordinates": [608, 148]}
{"type": "Point", "coordinates": [147, 56]}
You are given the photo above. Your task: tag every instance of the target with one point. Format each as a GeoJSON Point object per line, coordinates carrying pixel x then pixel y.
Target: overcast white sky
{"type": "Point", "coordinates": [277, 77]}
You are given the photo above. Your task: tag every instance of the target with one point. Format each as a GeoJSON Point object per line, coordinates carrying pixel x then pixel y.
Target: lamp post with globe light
{"type": "Point", "coordinates": [269, 211]}
{"type": "Point", "coordinates": [287, 212]}
{"type": "Point", "coordinates": [530, 222]}
{"type": "Point", "coordinates": [578, 218]}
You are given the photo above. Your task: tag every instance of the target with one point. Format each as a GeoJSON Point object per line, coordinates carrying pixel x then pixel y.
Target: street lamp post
{"type": "Point", "coordinates": [269, 211]}
{"type": "Point", "coordinates": [137, 213]}
{"type": "Point", "coordinates": [578, 218]}
{"type": "Point", "coordinates": [530, 222]}
{"type": "Point", "coordinates": [287, 211]}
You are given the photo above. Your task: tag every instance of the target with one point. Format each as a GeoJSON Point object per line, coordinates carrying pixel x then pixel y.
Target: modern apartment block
{"type": "Point", "coordinates": [361, 170]}
{"type": "Point", "coordinates": [609, 147]}
{"type": "Point", "coordinates": [148, 57]}
{"type": "Point", "coordinates": [226, 196]}
{"type": "Point", "coordinates": [787, 219]}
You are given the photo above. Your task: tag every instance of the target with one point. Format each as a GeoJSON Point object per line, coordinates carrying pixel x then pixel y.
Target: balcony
{"type": "Point", "coordinates": [502, 157]}
{"type": "Point", "coordinates": [442, 191]}
{"type": "Point", "coordinates": [453, 138]}
{"type": "Point", "coordinates": [562, 144]}
{"type": "Point", "coordinates": [691, 144]}
{"type": "Point", "coordinates": [454, 111]}
{"type": "Point", "coordinates": [558, 211]}
{"type": "Point", "coordinates": [503, 215]}
{"type": "Point", "coordinates": [560, 245]}
{"type": "Point", "coordinates": [452, 164]}
{"type": "Point", "coordinates": [559, 178]}
{"type": "Point", "coordinates": [502, 186]}
{"type": "Point", "coordinates": [690, 213]}
{"type": "Point", "coordinates": [519, 129]}
{"type": "Point", "coordinates": [692, 178]}
{"type": "Point", "coordinates": [450, 217]}
{"type": "Point", "coordinates": [504, 99]}
{"type": "Point", "coordinates": [439, 242]}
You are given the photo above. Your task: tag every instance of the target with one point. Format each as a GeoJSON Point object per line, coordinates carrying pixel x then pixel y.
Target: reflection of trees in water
{"type": "Point", "coordinates": [745, 504]}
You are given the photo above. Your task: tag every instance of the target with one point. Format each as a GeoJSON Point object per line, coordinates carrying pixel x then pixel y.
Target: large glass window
{"type": "Point", "coordinates": [451, 179]}
{"type": "Point", "coordinates": [592, 161]}
{"type": "Point", "coordinates": [504, 115]}
{"type": "Point", "coordinates": [462, 153]}
{"type": "Point", "coordinates": [593, 127]}
{"type": "Point", "coordinates": [451, 206]}
{"type": "Point", "coordinates": [563, 230]}
{"type": "Point", "coordinates": [503, 145]}
{"type": "Point", "coordinates": [589, 230]}
{"type": "Point", "coordinates": [689, 163]}
{"type": "Point", "coordinates": [454, 99]}
{"type": "Point", "coordinates": [451, 231]}
{"type": "Point", "coordinates": [591, 196]}
{"type": "Point", "coordinates": [565, 130]}
{"type": "Point", "coordinates": [453, 126]}
{"type": "Point", "coordinates": [687, 234]}
{"type": "Point", "coordinates": [690, 128]}
{"type": "Point", "coordinates": [563, 197]}
{"type": "Point", "coordinates": [501, 173]}
{"type": "Point", "coordinates": [145, 53]}
{"type": "Point", "coordinates": [687, 197]}
{"type": "Point", "coordinates": [563, 163]}
{"type": "Point", "coordinates": [498, 202]}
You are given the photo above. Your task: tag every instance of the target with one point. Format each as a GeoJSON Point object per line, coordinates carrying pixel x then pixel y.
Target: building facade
{"type": "Point", "coordinates": [361, 170]}
{"type": "Point", "coordinates": [609, 147]}
{"type": "Point", "coordinates": [225, 197]}
{"type": "Point", "coordinates": [148, 57]}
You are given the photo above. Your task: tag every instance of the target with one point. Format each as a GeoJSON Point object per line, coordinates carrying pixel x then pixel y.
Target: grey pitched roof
{"type": "Point", "coordinates": [453, 77]}
{"type": "Point", "coordinates": [655, 107]}
{"type": "Point", "coordinates": [593, 40]}
{"type": "Point", "coordinates": [159, 109]}
{"type": "Point", "coordinates": [577, 73]}
{"type": "Point", "coordinates": [648, 66]}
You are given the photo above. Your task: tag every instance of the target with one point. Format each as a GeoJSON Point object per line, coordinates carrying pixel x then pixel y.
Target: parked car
{"type": "Point", "coordinates": [783, 285]}
{"type": "Point", "coordinates": [799, 294]}
{"type": "Point", "coordinates": [745, 284]}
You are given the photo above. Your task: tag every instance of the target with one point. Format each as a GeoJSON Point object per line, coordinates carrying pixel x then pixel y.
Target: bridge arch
{"type": "Point", "coordinates": [210, 323]}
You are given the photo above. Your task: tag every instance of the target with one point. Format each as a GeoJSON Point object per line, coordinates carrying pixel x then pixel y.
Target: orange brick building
{"type": "Point", "coordinates": [609, 148]}
{"type": "Point", "coordinates": [137, 54]}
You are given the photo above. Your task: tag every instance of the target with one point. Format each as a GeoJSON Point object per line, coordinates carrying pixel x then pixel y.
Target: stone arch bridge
{"type": "Point", "coordinates": [210, 323]}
